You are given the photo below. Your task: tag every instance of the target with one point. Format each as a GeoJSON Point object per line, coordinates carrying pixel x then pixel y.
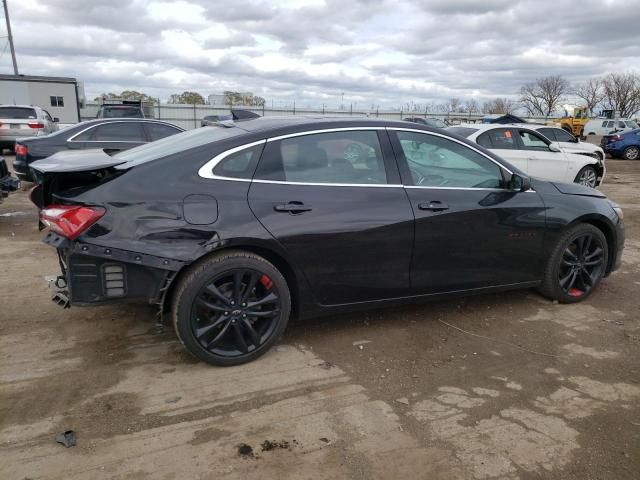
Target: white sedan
{"type": "Point", "coordinates": [568, 142]}
{"type": "Point", "coordinates": [534, 153]}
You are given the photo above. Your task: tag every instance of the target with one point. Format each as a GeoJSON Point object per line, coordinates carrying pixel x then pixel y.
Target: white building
{"type": "Point", "coordinates": [62, 97]}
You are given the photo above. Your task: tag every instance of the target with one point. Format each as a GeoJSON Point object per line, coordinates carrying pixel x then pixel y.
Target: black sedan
{"type": "Point", "coordinates": [111, 135]}
{"type": "Point", "coordinates": [239, 227]}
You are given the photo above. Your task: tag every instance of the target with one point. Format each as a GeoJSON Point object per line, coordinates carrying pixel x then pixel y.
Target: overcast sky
{"type": "Point", "coordinates": [374, 51]}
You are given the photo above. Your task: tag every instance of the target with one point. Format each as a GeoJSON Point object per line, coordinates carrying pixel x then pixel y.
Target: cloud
{"type": "Point", "coordinates": [373, 51]}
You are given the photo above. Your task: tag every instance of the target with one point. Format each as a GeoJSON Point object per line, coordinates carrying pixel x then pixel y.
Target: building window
{"type": "Point", "coordinates": [57, 101]}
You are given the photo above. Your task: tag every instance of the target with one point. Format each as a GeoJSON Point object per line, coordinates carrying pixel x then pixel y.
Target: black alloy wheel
{"type": "Point", "coordinates": [231, 309]}
{"type": "Point", "coordinates": [576, 265]}
{"type": "Point", "coordinates": [581, 266]}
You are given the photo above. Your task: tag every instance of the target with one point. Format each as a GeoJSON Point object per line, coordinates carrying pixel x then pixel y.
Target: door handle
{"type": "Point", "coordinates": [434, 206]}
{"type": "Point", "coordinates": [292, 207]}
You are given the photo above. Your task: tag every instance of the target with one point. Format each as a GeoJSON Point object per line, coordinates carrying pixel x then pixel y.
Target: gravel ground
{"type": "Point", "coordinates": [521, 388]}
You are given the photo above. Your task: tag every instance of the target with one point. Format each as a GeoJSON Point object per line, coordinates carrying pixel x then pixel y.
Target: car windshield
{"type": "Point", "coordinates": [462, 131]}
{"type": "Point", "coordinates": [121, 112]}
{"type": "Point", "coordinates": [631, 124]}
{"type": "Point", "coordinates": [17, 113]}
{"type": "Point", "coordinates": [176, 143]}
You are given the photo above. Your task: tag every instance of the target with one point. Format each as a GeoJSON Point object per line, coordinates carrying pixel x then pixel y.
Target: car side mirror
{"type": "Point", "coordinates": [519, 183]}
{"type": "Point", "coordinates": [554, 148]}
{"type": "Point", "coordinates": [56, 119]}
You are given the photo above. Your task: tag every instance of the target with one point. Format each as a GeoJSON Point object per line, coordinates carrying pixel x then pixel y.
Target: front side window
{"type": "Point", "coordinates": [563, 135]}
{"type": "Point", "coordinates": [351, 157]}
{"type": "Point", "coordinates": [118, 132]}
{"type": "Point", "coordinates": [531, 141]}
{"type": "Point", "coordinates": [435, 161]}
{"type": "Point", "coordinates": [550, 133]}
{"type": "Point", "coordinates": [621, 125]}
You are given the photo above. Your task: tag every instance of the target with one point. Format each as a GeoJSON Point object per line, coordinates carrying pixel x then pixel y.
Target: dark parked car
{"type": "Point", "coordinates": [8, 183]}
{"type": "Point", "coordinates": [429, 122]}
{"type": "Point", "coordinates": [625, 145]}
{"type": "Point", "coordinates": [111, 135]}
{"type": "Point", "coordinates": [237, 228]}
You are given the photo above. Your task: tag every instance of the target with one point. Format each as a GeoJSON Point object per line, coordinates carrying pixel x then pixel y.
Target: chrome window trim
{"type": "Point", "coordinates": [206, 171]}
{"type": "Point", "coordinates": [140, 120]}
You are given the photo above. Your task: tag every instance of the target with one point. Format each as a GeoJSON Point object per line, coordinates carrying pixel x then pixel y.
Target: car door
{"type": "Point", "coordinates": [471, 231]}
{"type": "Point", "coordinates": [116, 136]}
{"type": "Point", "coordinates": [542, 162]}
{"type": "Point", "coordinates": [503, 142]}
{"type": "Point", "coordinates": [334, 202]}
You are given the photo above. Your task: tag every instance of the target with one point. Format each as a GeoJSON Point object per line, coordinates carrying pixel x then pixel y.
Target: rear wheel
{"type": "Point", "coordinates": [576, 265]}
{"type": "Point", "coordinates": [587, 176]}
{"type": "Point", "coordinates": [231, 308]}
{"type": "Point", "coordinates": [631, 153]}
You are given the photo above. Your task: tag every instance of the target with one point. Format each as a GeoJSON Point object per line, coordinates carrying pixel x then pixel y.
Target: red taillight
{"type": "Point", "coordinates": [70, 220]}
{"type": "Point", "coordinates": [35, 124]}
{"type": "Point", "coordinates": [21, 150]}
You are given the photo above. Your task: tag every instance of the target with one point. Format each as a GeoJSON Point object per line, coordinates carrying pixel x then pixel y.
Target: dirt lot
{"type": "Point", "coordinates": [386, 394]}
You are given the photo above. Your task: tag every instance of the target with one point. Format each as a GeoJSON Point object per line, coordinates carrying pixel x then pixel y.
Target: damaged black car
{"type": "Point", "coordinates": [235, 229]}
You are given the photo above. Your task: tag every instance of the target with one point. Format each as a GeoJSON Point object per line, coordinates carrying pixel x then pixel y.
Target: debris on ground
{"type": "Point", "coordinates": [326, 440]}
{"type": "Point", "coordinates": [68, 438]}
{"type": "Point", "coordinates": [403, 400]}
{"type": "Point", "coordinates": [326, 365]}
{"type": "Point", "coordinates": [245, 450]}
{"type": "Point", "coordinates": [359, 343]}
{"type": "Point", "coordinates": [269, 445]}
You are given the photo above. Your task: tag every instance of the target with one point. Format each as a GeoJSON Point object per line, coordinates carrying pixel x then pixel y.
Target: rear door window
{"type": "Point", "coordinates": [159, 130]}
{"type": "Point", "coordinates": [498, 139]}
{"type": "Point", "coordinates": [18, 113]}
{"type": "Point", "coordinates": [352, 157]}
{"type": "Point", "coordinates": [118, 132]}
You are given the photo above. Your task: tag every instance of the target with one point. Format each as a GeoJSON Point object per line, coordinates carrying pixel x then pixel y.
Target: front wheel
{"type": "Point", "coordinates": [231, 308]}
{"type": "Point", "coordinates": [631, 153]}
{"type": "Point", "coordinates": [576, 265]}
{"type": "Point", "coordinates": [587, 176]}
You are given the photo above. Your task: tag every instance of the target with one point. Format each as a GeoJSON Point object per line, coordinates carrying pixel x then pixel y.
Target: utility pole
{"type": "Point", "coordinates": [13, 50]}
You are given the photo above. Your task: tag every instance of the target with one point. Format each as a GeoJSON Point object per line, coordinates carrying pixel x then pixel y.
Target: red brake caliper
{"type": "Point", "coordinates": [266, 282]}
{"type": "Point", "coordinates": [574, 292]}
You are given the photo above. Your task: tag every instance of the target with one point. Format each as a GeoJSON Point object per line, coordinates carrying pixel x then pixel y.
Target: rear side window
{"type": "Point", "coordinates": [498, 139]}
{"type": "Point", "coordinates": [241, 164]}
{"type": "Point", "coordinates": [352, 157]}
{"type": "Point", "coordinates": [114, 132]}
{"type": "Point", "coordinates": [159, 130]}
{"type": "Point", "coordinates": [18, 113]}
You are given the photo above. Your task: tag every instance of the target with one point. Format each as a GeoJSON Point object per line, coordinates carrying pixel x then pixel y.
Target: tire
{"type": "Point", "coordinates": [558, 266]}
{"type": "Point", "coordinates": [234, 332]}
{"type": "Point", "coordinates": [587, 176]}
{"type": "Point", "coordinates": [631, 153]}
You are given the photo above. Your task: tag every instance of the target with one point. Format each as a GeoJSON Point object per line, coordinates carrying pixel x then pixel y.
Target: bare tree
{"type": "Point", "coordinates": [471, 106]}
{"type": "Point", "coordinates": [591, 92]}
{"type": "Point", "coordinates": [622, 93]}
{"type": "Point", "coordinates": [454, 104]}
{"type": "Point", "coordinates": [545, 95]}
{"type": "Point", "coordinates": [501, 105]}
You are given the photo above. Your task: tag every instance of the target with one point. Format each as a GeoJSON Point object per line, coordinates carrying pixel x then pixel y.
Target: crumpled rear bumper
{"type": "Point", "coordinates": [93, 274]}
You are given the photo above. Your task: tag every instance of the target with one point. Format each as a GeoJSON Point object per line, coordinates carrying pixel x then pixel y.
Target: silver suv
{"type": "Point", "coordinates": [23, 121]}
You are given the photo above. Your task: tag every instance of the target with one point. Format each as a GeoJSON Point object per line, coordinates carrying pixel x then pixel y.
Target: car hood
{"type": "Point", "coordinates": [576, 189]}
{"type": "Point", "coordinates": [69, 161]}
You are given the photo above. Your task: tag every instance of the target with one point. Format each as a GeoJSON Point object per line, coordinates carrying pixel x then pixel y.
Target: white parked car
{"type": "Point", "coordinates": [604, 126]}
{"type": "Point", "coordinates": [568, 142]}
{"type": "Point", "coordinates": [23, 121]}
{"type": "Point", "coordinates": [534, 154]}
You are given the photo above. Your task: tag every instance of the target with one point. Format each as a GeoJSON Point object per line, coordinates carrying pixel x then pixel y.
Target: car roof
{"type": "Point", "coordinates": [274, 123]}
{"type": "Point", "coordinates": [481, 127]}
{"type": "Point", "coordinates": [93, 121]}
